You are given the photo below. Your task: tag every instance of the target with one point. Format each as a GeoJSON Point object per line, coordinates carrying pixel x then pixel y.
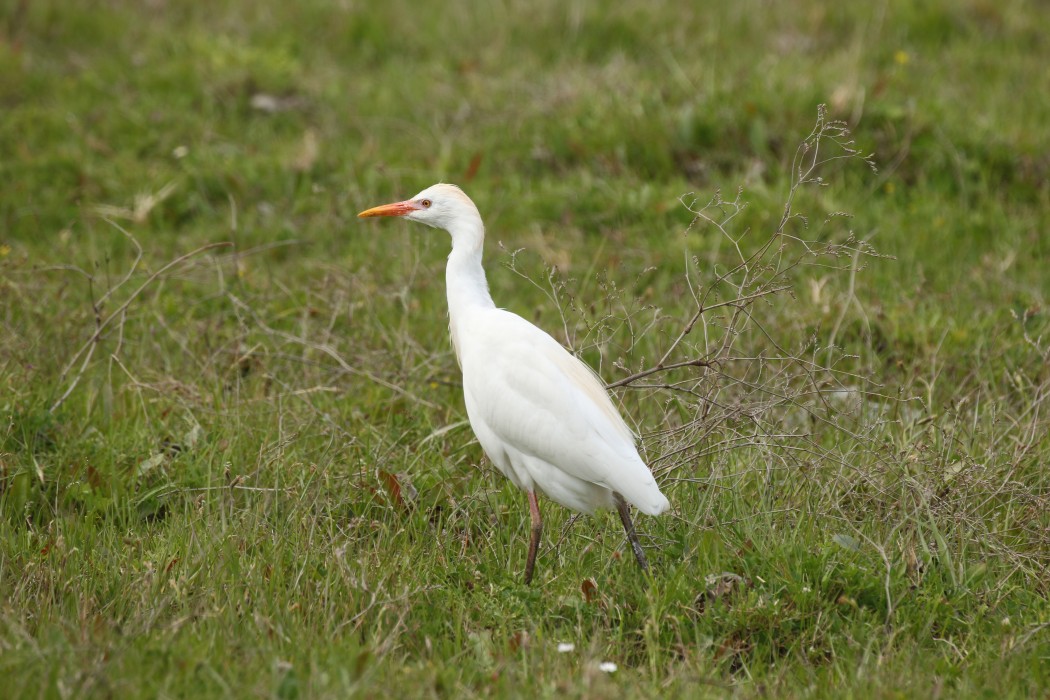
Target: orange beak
{"type": "Point", "coordinates": [395, 209]}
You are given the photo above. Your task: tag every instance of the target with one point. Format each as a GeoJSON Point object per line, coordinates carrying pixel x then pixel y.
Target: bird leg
{"type": "Point", "coordinates": [534, 543]}
{"type": "Point", "coordinates": [628, 527]}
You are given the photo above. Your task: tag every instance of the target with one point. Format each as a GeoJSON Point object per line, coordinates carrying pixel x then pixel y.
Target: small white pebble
{"type": "Point", "coordinates": [566, 647]}
{"type": "Point", "coordinates": [265, 103]}
{"type": "Point", "coordinates": [607, 667]}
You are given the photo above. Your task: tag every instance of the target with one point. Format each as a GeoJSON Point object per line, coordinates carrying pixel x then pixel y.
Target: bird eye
{"type": "Point", "coordinates": [426, 203]}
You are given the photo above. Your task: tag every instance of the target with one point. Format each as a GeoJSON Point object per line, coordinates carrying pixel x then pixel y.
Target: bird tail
{"type": "Point", "coordinates": [638, 487]}
{"type": "Point", "coordinates": [654, 503]}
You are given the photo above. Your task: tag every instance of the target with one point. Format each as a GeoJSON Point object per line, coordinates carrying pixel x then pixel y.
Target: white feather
{"type": "Point", "coordinates": [542, 416]}
{"type": "Point", "coordinates": [545, 420]}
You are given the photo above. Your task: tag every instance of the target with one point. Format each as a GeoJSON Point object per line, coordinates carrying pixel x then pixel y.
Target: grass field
{"type": "Point", "coordinates": [233, 456]}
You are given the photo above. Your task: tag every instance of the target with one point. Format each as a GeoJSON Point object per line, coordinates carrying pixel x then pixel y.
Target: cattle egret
{"type": "Point", "coordinates": [541, 415]}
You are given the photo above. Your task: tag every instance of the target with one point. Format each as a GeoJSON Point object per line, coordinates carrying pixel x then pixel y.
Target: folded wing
{"type": "Point", "coordinates": [543, 402]}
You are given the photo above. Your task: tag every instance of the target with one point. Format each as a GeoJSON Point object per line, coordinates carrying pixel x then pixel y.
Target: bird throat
{"type": "Point", "coordinates": [466, 286]}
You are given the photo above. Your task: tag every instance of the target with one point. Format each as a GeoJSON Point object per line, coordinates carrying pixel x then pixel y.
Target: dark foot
{"type": "Point", "coordinates": [628, 527]}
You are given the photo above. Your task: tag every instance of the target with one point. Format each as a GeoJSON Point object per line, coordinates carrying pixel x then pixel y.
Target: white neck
{"type": "Point", "coordinates": [465, 281]}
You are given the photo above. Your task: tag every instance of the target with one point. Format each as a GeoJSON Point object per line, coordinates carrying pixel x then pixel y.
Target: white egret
{"type": "Point", "coordinates": [541, 415]}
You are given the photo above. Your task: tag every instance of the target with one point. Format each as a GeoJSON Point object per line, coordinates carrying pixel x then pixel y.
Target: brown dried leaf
{"type": "Point", "coordinates": [518, 640]}
{"type": "Point", "coordinates": [472, 169]}
{"type": "Point", "coordinates": [393, 488]}
{"type": "Point", "coordinates": [399, 489]}
{"type": "Point", "coordinates": [589, 589]}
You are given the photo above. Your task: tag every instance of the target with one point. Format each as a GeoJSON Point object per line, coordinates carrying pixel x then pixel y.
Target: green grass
{"type": "Point", "coordinates": [210, 512]}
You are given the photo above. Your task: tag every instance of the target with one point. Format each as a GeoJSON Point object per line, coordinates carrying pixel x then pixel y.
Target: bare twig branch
{"type": "Point", "coordinates": [88, 348]}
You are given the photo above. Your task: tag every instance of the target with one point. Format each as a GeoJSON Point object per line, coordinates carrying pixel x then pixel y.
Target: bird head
{"type": "Point", "coordinates": [441, 206]}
